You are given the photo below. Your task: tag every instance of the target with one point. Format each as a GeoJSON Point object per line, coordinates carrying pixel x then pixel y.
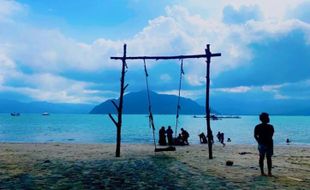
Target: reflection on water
{"type": "Point", "coordinates": [84, 128]}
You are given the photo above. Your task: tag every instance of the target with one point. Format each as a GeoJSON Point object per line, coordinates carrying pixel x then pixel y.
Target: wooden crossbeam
{"type": "Point", "coordinates": [169, 57]}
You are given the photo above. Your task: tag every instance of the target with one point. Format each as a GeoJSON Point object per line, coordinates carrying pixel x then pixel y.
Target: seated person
{"type": "Point", "coordinates": [185, 136]}
{"type": "Point", "coordinates": [178, 140]}
{"type": "Point", "coordinates": [202, 138]}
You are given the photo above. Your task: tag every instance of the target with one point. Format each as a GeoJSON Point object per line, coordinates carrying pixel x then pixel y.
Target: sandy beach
{"type": "Point", "coordinates": [93, 166]}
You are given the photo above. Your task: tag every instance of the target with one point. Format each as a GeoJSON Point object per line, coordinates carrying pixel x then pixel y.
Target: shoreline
{"type": "Point", "coordinates": [84, 166]}
{"type": "Point", "coordinates": [301, 145]}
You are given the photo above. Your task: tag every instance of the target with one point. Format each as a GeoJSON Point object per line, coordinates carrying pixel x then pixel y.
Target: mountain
{"type": "Point", "coordinates": [137, 103]}
{"type": "Point", "coordinates": [9, 106]}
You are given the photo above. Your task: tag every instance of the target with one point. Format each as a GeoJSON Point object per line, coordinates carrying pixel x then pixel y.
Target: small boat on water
{"type": "Point", "coordinates": [230, 117]}
{"type": "Point", "coordinates": [218, 117]}
{"type": "Point", "coordinates": [213, 117]}
{"type": "Point", "coordinates": [15, 114]}
{"type": "Point", "coordinates": [45, 114]}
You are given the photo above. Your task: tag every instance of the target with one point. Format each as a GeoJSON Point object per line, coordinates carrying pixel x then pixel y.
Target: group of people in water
{"type": "Point", "coordinates": [182, 138]}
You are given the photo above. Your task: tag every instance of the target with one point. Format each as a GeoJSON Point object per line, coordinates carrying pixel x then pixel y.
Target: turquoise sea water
{"type": "Point", "coordinates": [86, 128]}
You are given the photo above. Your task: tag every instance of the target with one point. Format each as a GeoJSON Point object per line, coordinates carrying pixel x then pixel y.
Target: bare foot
{"type": "Point", "coordinates": [263, 174]}
{"type": "Point", "coordinates": [270, 175]}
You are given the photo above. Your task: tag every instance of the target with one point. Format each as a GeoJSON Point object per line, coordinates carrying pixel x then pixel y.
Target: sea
{"type": "Point", "coordinates": [88, 128]}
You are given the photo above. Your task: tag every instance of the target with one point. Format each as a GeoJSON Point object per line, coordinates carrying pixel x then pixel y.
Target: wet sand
{"type": "Point", "coordinates": [94, 166]}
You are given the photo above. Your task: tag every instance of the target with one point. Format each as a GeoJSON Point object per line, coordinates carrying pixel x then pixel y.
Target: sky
{"type": "Point", "coordinates": [59, 51]}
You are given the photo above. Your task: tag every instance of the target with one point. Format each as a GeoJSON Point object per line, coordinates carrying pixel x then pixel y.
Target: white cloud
{"type": "Point", "coordinates": [275, 9]}
{"type": "Point", "coordinates": [272, 88]}
{"type": "Point", "coordinates": [293, 90]}
{"type": "Point", "coordinates": [52, 88]}
{"type": "Point", "coordinates": [278, 96]}
{"type": "Point", "coordinates": [10, 8]}
{"type": "Point", "coordinates": [7, 68]}
{"type": "Point", "coordinates": [165, 77]}
{"type": "Point", "coordinates": [178, 32]}
{"type": "Point", "coordinates": [6, 62]}
{"type": "Point", "coordinates": [195, 79]}
{"type": "Point", "coordinates": [239, 89]}
{"type": "Point", "coordinates": [192, 94]}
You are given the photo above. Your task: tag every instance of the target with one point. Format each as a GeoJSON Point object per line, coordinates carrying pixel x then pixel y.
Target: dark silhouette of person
{"type": "Point", "coordinates": [162, 136]}
{"type": "Point", "coordinates": [169, 133]}
{"type": "Point", "coordinates": [222, 139]}
{"type": "Point", "coordinates": [288, 141]}
{"type": "Point", "coordinates": [228, 139]}
{"type": "Point", "coordinates": [179, 140]}
{"type": "Point", "coordinates": [185, 136]}
{"type": "Point", "coordinates": [202, 138]}
{"type": "Point", "coordinates": [219, 136]}
{"type": "Point", "coordinates": [211, 137]}
{"type": "Point", "coordinates": [263, 133]}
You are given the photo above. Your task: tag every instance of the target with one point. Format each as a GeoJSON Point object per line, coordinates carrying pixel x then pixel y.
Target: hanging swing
{"type": "Point", "coordinates": [179, 97]}
{"type": "Point", "coordinates": [151, 119]}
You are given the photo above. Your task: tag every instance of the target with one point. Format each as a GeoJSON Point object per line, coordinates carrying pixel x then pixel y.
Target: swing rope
{"type": "Point", "coordinates": [151, 119]}
{"type": "Point", "coordinates": [179, 97]}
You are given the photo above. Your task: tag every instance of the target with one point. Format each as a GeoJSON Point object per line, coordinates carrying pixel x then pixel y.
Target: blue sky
{"type": "Point", "coordinates": [58, 51]}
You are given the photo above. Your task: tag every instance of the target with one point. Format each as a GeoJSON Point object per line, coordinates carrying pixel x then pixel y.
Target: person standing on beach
{"type": "Point", "coordinates": [222, 139]}
{"type": "Point", "coordinates": [218, 136]}
{"type": "Point", "coordinates": [162, 136]}
{"type": "Point", "coordinates": [263, 133]}
{"type": "Point", "coordinates": [169, 135]}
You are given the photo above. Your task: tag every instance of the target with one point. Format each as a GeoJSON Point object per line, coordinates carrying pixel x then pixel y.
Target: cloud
{"type": "Point", "coordinates": [299, 90]}
{"type": "Point", "coordinates": [243, 14]}
{"type": "Point", "coordinates": [239, 89]}
{"type": "Point", "coordinates": [301, 12]}
{"type": "Point", "coordinates": [192, 94]}
{"type": "Point", "coordinates": [82, 71]}
{"type": "Point", "coordinates": [276, 60]}
{"type": "Point", "coordinates": [165, 77]}
{"type": "Point", "coordinates": [282, 91]}
{"type": "Point", "coordinates": [7, 68]}
{"type": "Point", "coordinates": [50, 51]}
{"type": "Point", "coordinates": [9, 9]}
{"type": "Point", "coordinates": [51, 88]}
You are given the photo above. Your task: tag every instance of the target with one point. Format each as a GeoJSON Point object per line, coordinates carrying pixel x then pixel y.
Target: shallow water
{"type": "Point", "coordinates": [86, 128]}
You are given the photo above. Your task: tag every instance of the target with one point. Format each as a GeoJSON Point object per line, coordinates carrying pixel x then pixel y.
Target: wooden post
{"type": "Point", "coordinates": [119, 107]}
{"type": "Point", "coordinates": [209, 131]}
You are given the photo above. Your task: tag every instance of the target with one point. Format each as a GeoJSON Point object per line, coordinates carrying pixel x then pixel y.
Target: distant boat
{"type": "Point", "coordinates": [15, 114]}
{"type": "Point", "coordinates": [229, 117]}
{"type": "Point", "coordinates": [195, 116]}
{"type": "Point", "coordinates": [218, 117]}
{"type": "Point", "coordinates": [213, 117]}
{"type": "Point", "coordinates": [45, 114]}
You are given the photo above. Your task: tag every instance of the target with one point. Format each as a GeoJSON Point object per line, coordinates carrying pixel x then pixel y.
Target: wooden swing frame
{"type": "Point", "coordinates": [123, 87]}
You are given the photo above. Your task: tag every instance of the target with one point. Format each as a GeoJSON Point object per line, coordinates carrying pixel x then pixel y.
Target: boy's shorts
{"type": "Point", "coordinates": [265, 150]}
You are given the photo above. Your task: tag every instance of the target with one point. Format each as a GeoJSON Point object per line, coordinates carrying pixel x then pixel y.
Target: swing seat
{"type": "Point", "coordinates": [170, 148]}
